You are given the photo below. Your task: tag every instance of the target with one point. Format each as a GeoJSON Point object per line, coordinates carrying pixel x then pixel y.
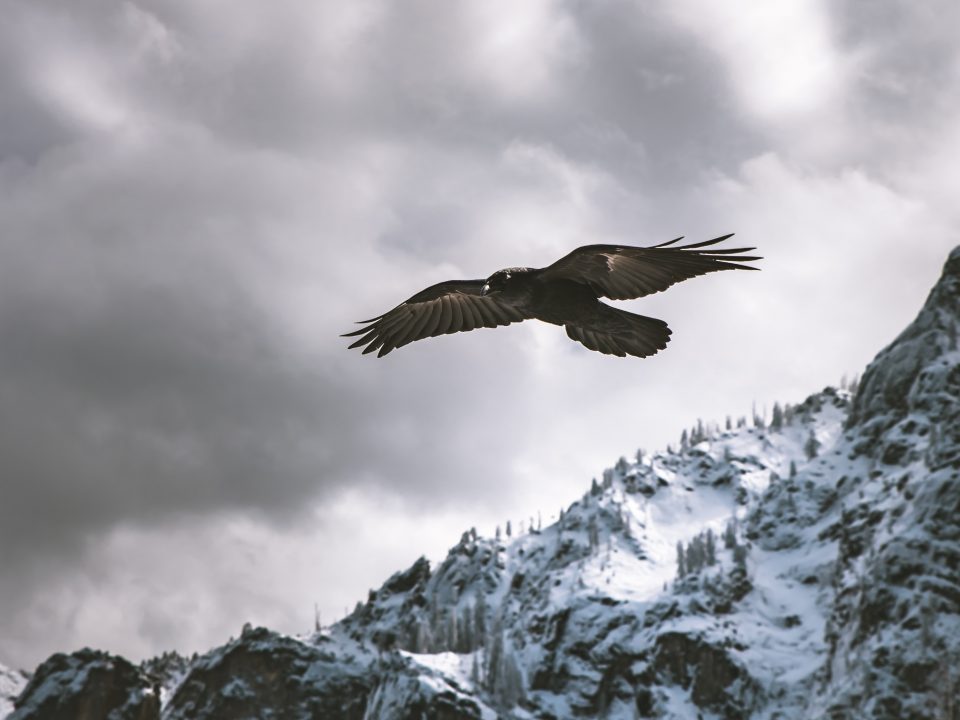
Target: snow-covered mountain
{"type": "Point", "coordinates": [801, 566]}
{"type": "Point", "coordinates": [12, 683]}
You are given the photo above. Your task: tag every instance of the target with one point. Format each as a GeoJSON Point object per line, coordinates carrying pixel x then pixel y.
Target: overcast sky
{"type": "Point", "coordinates": [196, 198]}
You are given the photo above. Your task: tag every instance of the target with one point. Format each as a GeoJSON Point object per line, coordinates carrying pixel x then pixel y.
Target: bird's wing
{"type": "Point", "coordinates": [624, 272]}
{"type": "Point", "coordinates": [447, 307]}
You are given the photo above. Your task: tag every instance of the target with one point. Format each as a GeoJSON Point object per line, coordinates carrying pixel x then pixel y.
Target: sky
{"type": "Point", "coordinates": [196, 199]}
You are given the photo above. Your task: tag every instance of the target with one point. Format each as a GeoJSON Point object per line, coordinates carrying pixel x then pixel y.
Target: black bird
{"type": "Point", "coordinates": [565, 293]}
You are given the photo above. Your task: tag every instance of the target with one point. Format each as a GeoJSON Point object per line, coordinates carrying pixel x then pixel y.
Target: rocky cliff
{"type": "Point", "coordinates": [802, 565]}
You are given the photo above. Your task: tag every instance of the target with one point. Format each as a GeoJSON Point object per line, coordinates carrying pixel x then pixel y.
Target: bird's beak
{"type": "Point", "coordinates": [485, 289]}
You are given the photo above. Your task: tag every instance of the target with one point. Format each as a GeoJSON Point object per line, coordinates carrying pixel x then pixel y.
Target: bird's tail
{"type": "Point", "coordinates": [618, 332]}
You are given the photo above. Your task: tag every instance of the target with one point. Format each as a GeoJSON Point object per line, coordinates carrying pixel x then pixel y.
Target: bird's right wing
{"type": "Point", "coordinates": [447, 307]}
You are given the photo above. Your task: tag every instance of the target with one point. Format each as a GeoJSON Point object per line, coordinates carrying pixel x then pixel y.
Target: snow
{"type": "Point", "coordinates": [12, 683]}
{"type": "Point", "coordinates": [447, 672]}
{"type": "Point", "coordinates": [453, 667]}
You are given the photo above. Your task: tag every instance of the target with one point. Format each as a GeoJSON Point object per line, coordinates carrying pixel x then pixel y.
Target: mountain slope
{"type": "Point", "coordinates": [808, 566]}
{"type": "Point", "coordinates": [12, 683]}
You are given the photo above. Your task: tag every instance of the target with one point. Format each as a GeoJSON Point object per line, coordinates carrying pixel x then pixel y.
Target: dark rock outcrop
{"type": "Point", "coordinates": [264, 674]}
{"type": "Point", "coordinates": [87, 685]}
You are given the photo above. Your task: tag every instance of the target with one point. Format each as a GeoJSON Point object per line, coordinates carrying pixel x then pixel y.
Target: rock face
{"type": "Point", "coordinates": [894, 630]}
{"type": "Point", "coordinates": [802, 567]}
{"type": "Point", "coordinates": [263, 674]}
{"type": "Point", "coordinates": [87, 685]}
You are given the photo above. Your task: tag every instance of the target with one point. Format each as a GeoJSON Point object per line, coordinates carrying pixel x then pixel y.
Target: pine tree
{"type": "Point", "coordinates": [711, 548]}
{"type": "Point", "coordinates": [729, 423]}
{"type": "Point", "coordinates": [451, 636]}
{"type": "Point", "coordinates": [475, 671]}
{"type": "Point", "coordinates": [593, 534]}
{"type": "Point", "coordinates": [509, 529]}
{"type": "Point", "coordinates": [503, 677]}
{"type": "Point", "coordinates": [695, 555]}
{"type": "Point", "coordinates": [480, 618]}
{"type": "Point", "coordinates": [684, 442]}
{"type": "Point", "coordinates": [730, 534]}
{"type": "Point", "coordinates": [793, 469]}
{"type": "Point", "coordinates": [739, 579]}
{"type": "Point", "coordinates": [776, 421]}
{"type": "Point", "coordinates": [681, 561]}
{"type": "Point", "coordinates": [758, 420]}
{"type": "Point", "coordinates": [812, 446]}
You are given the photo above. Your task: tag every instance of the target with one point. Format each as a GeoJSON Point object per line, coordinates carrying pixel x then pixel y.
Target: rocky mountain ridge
{"type": "Point", "coordinates": [802, 566]}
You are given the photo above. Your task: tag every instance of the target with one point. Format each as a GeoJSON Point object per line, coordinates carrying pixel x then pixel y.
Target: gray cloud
{"type": "Point", "coordinates": [195, 203]}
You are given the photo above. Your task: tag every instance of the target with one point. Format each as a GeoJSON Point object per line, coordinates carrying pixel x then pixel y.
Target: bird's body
{"type": "Point", "coordinates": [565, 293]}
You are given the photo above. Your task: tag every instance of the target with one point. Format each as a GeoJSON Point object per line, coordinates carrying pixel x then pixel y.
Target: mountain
{"type": "Point", "coordinates": [801, 566]}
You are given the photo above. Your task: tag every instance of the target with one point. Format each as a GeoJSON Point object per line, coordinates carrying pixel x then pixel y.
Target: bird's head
{"type": "Point", "coordinates": [501, 280]}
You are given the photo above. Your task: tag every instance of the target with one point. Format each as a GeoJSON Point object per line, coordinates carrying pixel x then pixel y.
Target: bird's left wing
{"type": "Point", "coordinates": [624, 272]}
{"type": "Point", "coordinates": [447, 307]}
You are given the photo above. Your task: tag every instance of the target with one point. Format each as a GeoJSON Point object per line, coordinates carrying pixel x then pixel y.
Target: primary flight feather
{"type": "Point", "coordinates": [565, 293]}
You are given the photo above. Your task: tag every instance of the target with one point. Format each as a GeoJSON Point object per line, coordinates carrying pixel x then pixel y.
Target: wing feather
{"type": "Point", "coordinates": [469, 315]}
{"type": "Point", "coordinates": [624, 272]}
{"type": "Point", "coordinates": [448, 307]}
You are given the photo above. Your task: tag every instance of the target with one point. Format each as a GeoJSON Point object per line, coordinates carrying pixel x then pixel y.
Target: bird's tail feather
{"type": "Point", "coordinates": [617, 332]}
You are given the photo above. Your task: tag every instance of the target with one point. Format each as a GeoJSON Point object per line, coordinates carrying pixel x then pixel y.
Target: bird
{"type": "Point", "coordinates": [566, 293]}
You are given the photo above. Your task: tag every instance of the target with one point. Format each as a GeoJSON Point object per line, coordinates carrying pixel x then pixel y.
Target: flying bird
{"type": "Point", "coordinates": [565, 293]}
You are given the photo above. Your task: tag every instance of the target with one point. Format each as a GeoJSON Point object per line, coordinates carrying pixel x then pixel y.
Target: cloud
{"type": "Point", "coordinates": [782, 60]}
{"type": "Point", "coordinates": [196, 199]}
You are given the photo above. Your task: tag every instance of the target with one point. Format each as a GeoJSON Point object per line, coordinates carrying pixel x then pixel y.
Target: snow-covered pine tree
{"type": "Point", "coordinates": [730, 534]}
{"type": "Point", "coordinates": [776, 420]}
{"type": "Point", "coordinates": [593, 533]}
{"type": "Point", "coordinates": [480, 618]}
{"type": "Point", "coordinates": [739, 578]}
{"type": "Point", "coordinates": [710, 548]}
